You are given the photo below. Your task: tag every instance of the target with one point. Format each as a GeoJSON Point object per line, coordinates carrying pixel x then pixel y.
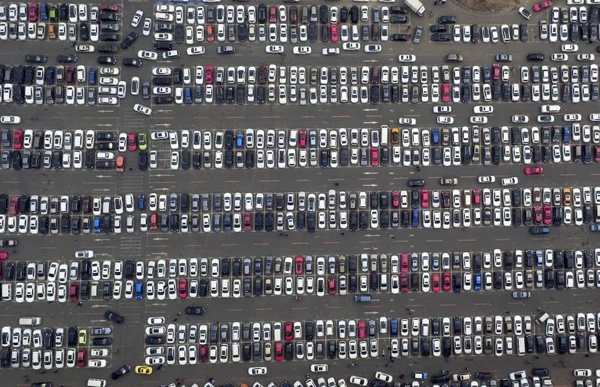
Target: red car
{"type": "Point", "coordinates": [3, 255]}
{"type": "Point", "coordinates": [299, 265]}
{"type": "Point", "coordinates": [288, 331]}
{"type": "Point", "coordinates": [81, 358]}
{"type": "Point", "coordinates": [547, 215]}
{"type": "Point", "coordinates": [279, 351]}
{"type": "Point", "coordinates": [495, 71]}
{"type": "Point", "coordinates": [435, 283]}
{"type": "Point", "coordinates": [534, 170]}
{"type": "Point", "coordinates": [302, 139]}
{"type": "Point", "coordinates": [446, 92]}
{"type": "Point", "coordinates": [18, 139]}
{"type": "Point", "coordinates": [131, 142]}
{"type": "Point", "coordinates": [203, 353]}
{"type": "Point", "coordinates": [70, 74]}
{"type": "Point", "coordinates": [404, 262]}
{"type": "Point", "coordinates": [403, 283]}
{"type": "Point", "coordinates": [208, 74]}
{"type": "Point", "coordinates": [74, 293]}
{"type": "Point", "coordinates": [120, 163]}
{"type": "Point", "coordinates": [182, 288]}
{"type": "Point", "coordinates": [362, 330]}
{"type": "Point", "coordinates": [14, 206]}
{"type": "Point", "coordinates": [273, 15]}
{"type": "Point", "coordinates": [210, 34]}
{"type": "Point", "coordinates": [597, 153]}
{"type": "Point", "coordinates": [446, 282]}
{"type": "Point", "coordinates": [334, 33]}
{"type": "Point", "coordinates": [331, 286]}
{"type": "Point", "coordinates": [374, 156]}
{"type": "Point", "coordinates": [33, 12]}
{"type": "Point", "coordinates": [247, 222]}
{"type": "Point", "coordinates": [395, 199]}
{"type": "Point", "coordinates": [109, 8]}
{"type": "Point", "coordinates": [425, 198]}
{"type": "Point", "coordinates": [542, 5]}
{"type": "Point", "coordinates": [476, 197]}
{"type": "Point", "coordinates": [153, 222]}
{"type": "Point", "coordinates": [537, 214]}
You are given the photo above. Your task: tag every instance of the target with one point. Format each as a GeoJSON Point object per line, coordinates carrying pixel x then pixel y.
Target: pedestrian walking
{"type": "Point", "coordinates": [435, 3]}
{"type": "Point", "coordinates": [179, 313]}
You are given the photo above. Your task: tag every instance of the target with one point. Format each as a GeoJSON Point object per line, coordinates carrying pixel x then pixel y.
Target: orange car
{"type": "Point", "coordinates": [120, 163]}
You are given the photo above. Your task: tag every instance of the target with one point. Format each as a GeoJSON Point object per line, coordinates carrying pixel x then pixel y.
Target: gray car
{"type": "Point", "coordinates": [5, 159]}
{"type": "Point", "coordinates": [417, 35]}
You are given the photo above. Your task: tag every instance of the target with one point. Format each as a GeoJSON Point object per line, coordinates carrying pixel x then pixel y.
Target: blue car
{"type": "Point", "coordinates": [43, 12]}
{"type": "Point", "coordinates": [139, 290]}
{"type": "Point", "coordinates": [97, 225]}
{"type": "Point", "coordinates": [187, 93]}
{"type": "Point", "coordinates": [142, 202]}
{"type": "Point", "coordinates": [92, 76]}
{"type": "Point", "coordinates": [394, 327]}
{"type": "Point", "coordinates": [477, 282]}
{"type": "Point", "coordinates": [566, 134]}
{"type": "Point", "coordinates": [415, 218]}
{"type": "Point", "coordinates": [239, 140]}
{"type": "Point", "coordinates": [435, 136]}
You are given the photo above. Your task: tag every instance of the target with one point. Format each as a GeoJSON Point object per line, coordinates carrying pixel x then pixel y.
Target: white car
{"type": "Point", "coordinates": [85, 48]}
{"type": "Point", "coordinates": [407, 58]}
{"type": "Point", "coordinates": [559, 57]}
{"type": "Point", "coordinates": [302, 50]}
{"type": "Point", "coordinates": [12, 120]}
{"type": "Point", "coordinates": [197, 50]}
{"type": "Point", "coordinates": [137, 18]}
{"type": "Point", "coordinates": [586, 57]}
{"type": "Point", "coordinates": [478, 119]}
{"type": "Point", "coordinates": [407, 121]}
{"type": "Point", "coordinates": [509, 181]}
{"type": "Point", "coordinates": [273, 49]}
{"type": "Point", "coordinates": [330, 51]}
{"type": "Point", "coordinates": [447, 120]}
{"type": "Point", "coordinates": [572, 117]}
{"type": "Point", "coordinates": [442, 109]}
{"type": "Point", "coordinates": [520, 119]}
{"type": "Point", "coordinates": [351, 46]}
{"type": "Point", "coordinates": [373, 48]}
{"type": "Point", "coordinates": [486, 179]}
{"type": "Point", "coordinates": [257, 371]}
{"type": "Point", "coordinates": [150, 55]}
{"type": "Point", "coordinates": [483, 109]}
{"type": "Point", "coordinates": [142, 109]}
{"type": "Point", "coordinates": [569, 47]}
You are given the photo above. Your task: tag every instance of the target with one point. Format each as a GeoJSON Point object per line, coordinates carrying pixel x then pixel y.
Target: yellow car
{"type": "Point", "coordinates": [82, 336]}
{"type": "Point", "coordinates": [143, 370]}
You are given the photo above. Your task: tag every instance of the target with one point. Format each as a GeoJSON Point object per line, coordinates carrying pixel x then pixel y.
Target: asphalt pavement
{"type": "Point", "coordinates": [127, 346]}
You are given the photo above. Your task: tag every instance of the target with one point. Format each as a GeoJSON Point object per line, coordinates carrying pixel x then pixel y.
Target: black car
{"type": "Point", "coordinates": [195, 310]}
{"type": "Point", "coordinates": [101, 341]}
{"type": "Point", "coordinates": [163, 99]}
{"type": "Point", "coordinates": [447, 20]}
{"type": "Point", "coordinates": [121, 371]}
{"type": "Point", "coordinates": [416, 183]}
{"type": "Point", "coordinates": [155, 340]}
{"type": "Point", "coordinates": [67, 58]}
{"type": "Point", "coordinates": [440, 37]}
{"type": "Point", "coordinates": [143, 160]}
{"type": "Point", "coordinates": [129, 39]}
{"type": "Point", "coordinates": [105, 16]}
{"type": "Point", "coordinates": [132, 62]}
{"type": "Point", "coordinates": [399, 37]}
{"type": "Point", "coordinates": [109, 37]}
{"type": "Point", "coordinates": [35, 58]}
{"type": "Point", "coordinates": [108, 49]}
{"type": "Point", "coordinates": [539, 230]}
{"type": "Point", "coordinates": [438, 28]}
{"type": "Point", "coordinates": [110, 60]}
{"type": "Point", "coordinates": [536, 57]}
{"type": "Point", "coordinates": [114, 317]}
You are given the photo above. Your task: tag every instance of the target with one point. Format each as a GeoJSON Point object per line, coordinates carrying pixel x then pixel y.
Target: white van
{"type": "Point", "coordinates": [550, 108]}
{"type": "Point", "coordinates": [521, 346]}
{"type": "Point", "coordinates": [92, 382]}
{"type": "Point", "coordinates": [30, 321]}
{"type": "Point", "coordinates": [385, 131]}
{"type": "Point", "coordinates": [94, 292]}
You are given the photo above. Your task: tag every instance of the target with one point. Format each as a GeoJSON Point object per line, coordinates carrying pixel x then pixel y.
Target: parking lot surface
{"type": "Point", "coordinates": [270, 167]}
